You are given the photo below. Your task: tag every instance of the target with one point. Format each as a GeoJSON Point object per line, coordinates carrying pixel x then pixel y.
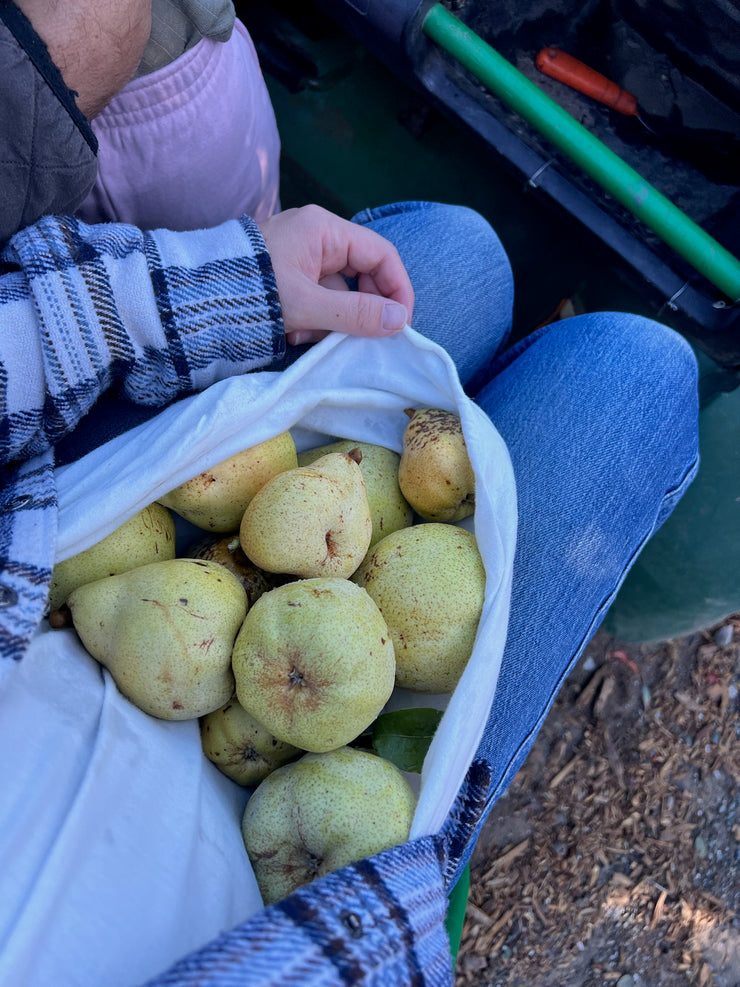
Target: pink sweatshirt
{"type": "Point", "coordinates": [190, 145]}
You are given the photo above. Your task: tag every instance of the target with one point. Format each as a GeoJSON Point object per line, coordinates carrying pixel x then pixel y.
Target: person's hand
{"type": "Point", "coordinates": [312, 251]}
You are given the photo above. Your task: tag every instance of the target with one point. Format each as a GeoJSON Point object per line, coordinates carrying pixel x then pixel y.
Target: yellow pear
{"type": "Point", "coordinates": [240, 747]}
{"type": "Point", "coordinates": [435, 473]}
{"type": "Point", "coordinates": [429, 584]}
{"type": "Point", "coordinates": [310, 521]}
{"type": "Point", "coordinates": [313, 662]}
{"type": "Point", "coordinates": [148, 536]}
{"type": "Point", "coordinates": [389, 509]}
{"type": "Point", "coordinates": [216, 499]}
{"type": "Point", "coordinates": [323, 812]}
{"type": "Point", "coordinates": [165, 632]}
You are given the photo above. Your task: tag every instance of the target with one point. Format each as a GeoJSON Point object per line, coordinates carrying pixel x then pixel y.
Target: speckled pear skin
{"type": "Point", "coordinates": [323, 812]}
{"type": "Point", "coordinates": [435, 473]}
{"type": "Point", "coordinates": [148, 536]}
{"type": "Point", "coordinates": [216, 499]}
{"type": "Point", "coordinates": [314, 662]}
{"type": "Point", "coordinates": [311, 521]}
{"type": "Point", "coordinates": [429, 583]}
{"type": "Point", "coordinates": [240, 747]}
{"type": "Point", "coordinates": [389, 509]}
{"type": "Point", "coordinates": [165, 632]}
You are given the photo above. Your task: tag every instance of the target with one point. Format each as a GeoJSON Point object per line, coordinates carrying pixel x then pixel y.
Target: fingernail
{"type": "Point", "coordinates": [394, 317]}
{"type": "Point", "coordinates": [297, 338]}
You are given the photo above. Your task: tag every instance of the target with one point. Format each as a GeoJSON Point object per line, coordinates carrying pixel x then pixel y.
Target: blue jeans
{"type": "Point", "coordinates": [600, 415]}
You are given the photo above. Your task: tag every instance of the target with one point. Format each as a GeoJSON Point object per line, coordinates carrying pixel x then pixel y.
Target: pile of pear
{"type": "Point", "coordinates": [322, 581]}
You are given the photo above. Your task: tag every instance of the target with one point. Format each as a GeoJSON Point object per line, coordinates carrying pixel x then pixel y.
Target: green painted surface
{"type": "Point", "coordinates": [613, 174]}
{"type": "Point", "coordinates": [456, 910]}
{"type": "Point", "coordinates": [688, 576]}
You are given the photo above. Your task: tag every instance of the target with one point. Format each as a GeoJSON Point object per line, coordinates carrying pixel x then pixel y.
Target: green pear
{"type": "Point", "coordinates": [229, 553]}
{"type": "Point", "coordinates": [323, 812]}
{"type": "Point", "coordinates": [240, 747]}
{"type": "Point", "coordinates": [429, 583]}
{"type": "Point", "coordinates": [216, 499]}
{"type": "Point", "coordinates": [389, 509]}
{"type": "Point", "coordinates": [148, 536]}
{"type": "Point", "coordinates": [313, 662]}
{"type": "Point", "coordinates": [165, 633]}
{"type": "Point", "coordinates": [310, 521]}
{"type": "Point", "coordinates": [435, 473]}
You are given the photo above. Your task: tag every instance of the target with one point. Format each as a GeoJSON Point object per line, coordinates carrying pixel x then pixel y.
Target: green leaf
{"type": "Point", "coordinates": [404, 735]}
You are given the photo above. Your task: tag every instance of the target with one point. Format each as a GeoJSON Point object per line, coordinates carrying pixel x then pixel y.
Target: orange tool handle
{"type": "Point", "coordinates": [565, 68]}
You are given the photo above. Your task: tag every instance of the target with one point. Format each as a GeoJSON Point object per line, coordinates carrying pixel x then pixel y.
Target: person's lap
{"type": "Point", "coordinates": [461, 277]}
{"type": "Point", "coordinates": [600, 417]}
{"type": "Point", "coordinates": [599, 414]}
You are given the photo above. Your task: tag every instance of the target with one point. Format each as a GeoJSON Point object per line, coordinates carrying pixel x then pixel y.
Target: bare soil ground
{"type": "Point", "coordinates": [613, 857]}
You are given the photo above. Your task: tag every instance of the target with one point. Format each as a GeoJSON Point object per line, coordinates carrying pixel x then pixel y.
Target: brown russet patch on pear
{"type": "Point", "coordinates": [166, 609]}
{"type": "Point", "coordinates": [318, 592]}
{"type": "Point", "coordinates": [286, 678]}
{"type": "Point", "coordinates": [331, 550]}
{"type": "Point", "coordinates": [235, 754]}
{"type": "Point", "coordinates": [428, 429]}
{"type": "Point", "coordinates": [165, 676]}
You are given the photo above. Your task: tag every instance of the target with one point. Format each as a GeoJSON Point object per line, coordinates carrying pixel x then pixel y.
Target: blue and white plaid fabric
{"type": "Point", "coordinates": [379, 922]}
{"type": "Point", "coordinates": [87, 308]}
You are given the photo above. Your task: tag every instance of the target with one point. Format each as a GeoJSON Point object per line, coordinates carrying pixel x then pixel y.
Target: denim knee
{"type": "Point", "coordinates": [461, 276]}
{"type": "Point", "coordinates": [600, 416]}
{"type": "Point", "coordinates": [640, 356]}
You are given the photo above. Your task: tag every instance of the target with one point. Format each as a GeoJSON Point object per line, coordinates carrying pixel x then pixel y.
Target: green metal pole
{"type": "Point", "coordinates": [620, 180]}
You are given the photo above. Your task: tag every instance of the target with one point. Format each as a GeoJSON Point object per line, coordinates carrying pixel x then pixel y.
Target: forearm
{"type": "Point", "coordinates": [160, 314]}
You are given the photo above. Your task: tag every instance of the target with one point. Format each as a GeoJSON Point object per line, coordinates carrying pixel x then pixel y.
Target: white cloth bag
{"type": "Point", "coordinates": [120, 846]}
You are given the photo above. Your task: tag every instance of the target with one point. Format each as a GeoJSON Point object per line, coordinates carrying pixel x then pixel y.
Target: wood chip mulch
{"type": "Point", "coordinates": [613, 857]}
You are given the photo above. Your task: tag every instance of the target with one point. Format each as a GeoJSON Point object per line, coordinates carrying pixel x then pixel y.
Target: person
{"type": "Point", "coordinates": [599, 416]}
{"type": "Point", "coordinates": [132, 126]}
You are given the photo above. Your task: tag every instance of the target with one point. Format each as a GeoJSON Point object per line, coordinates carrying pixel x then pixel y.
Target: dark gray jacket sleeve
{"type": "Point", "coordinates": [48, 152]}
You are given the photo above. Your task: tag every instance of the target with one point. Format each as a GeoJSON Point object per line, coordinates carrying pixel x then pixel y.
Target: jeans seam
{"type": "Point", "coordinates": [374, 213]}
